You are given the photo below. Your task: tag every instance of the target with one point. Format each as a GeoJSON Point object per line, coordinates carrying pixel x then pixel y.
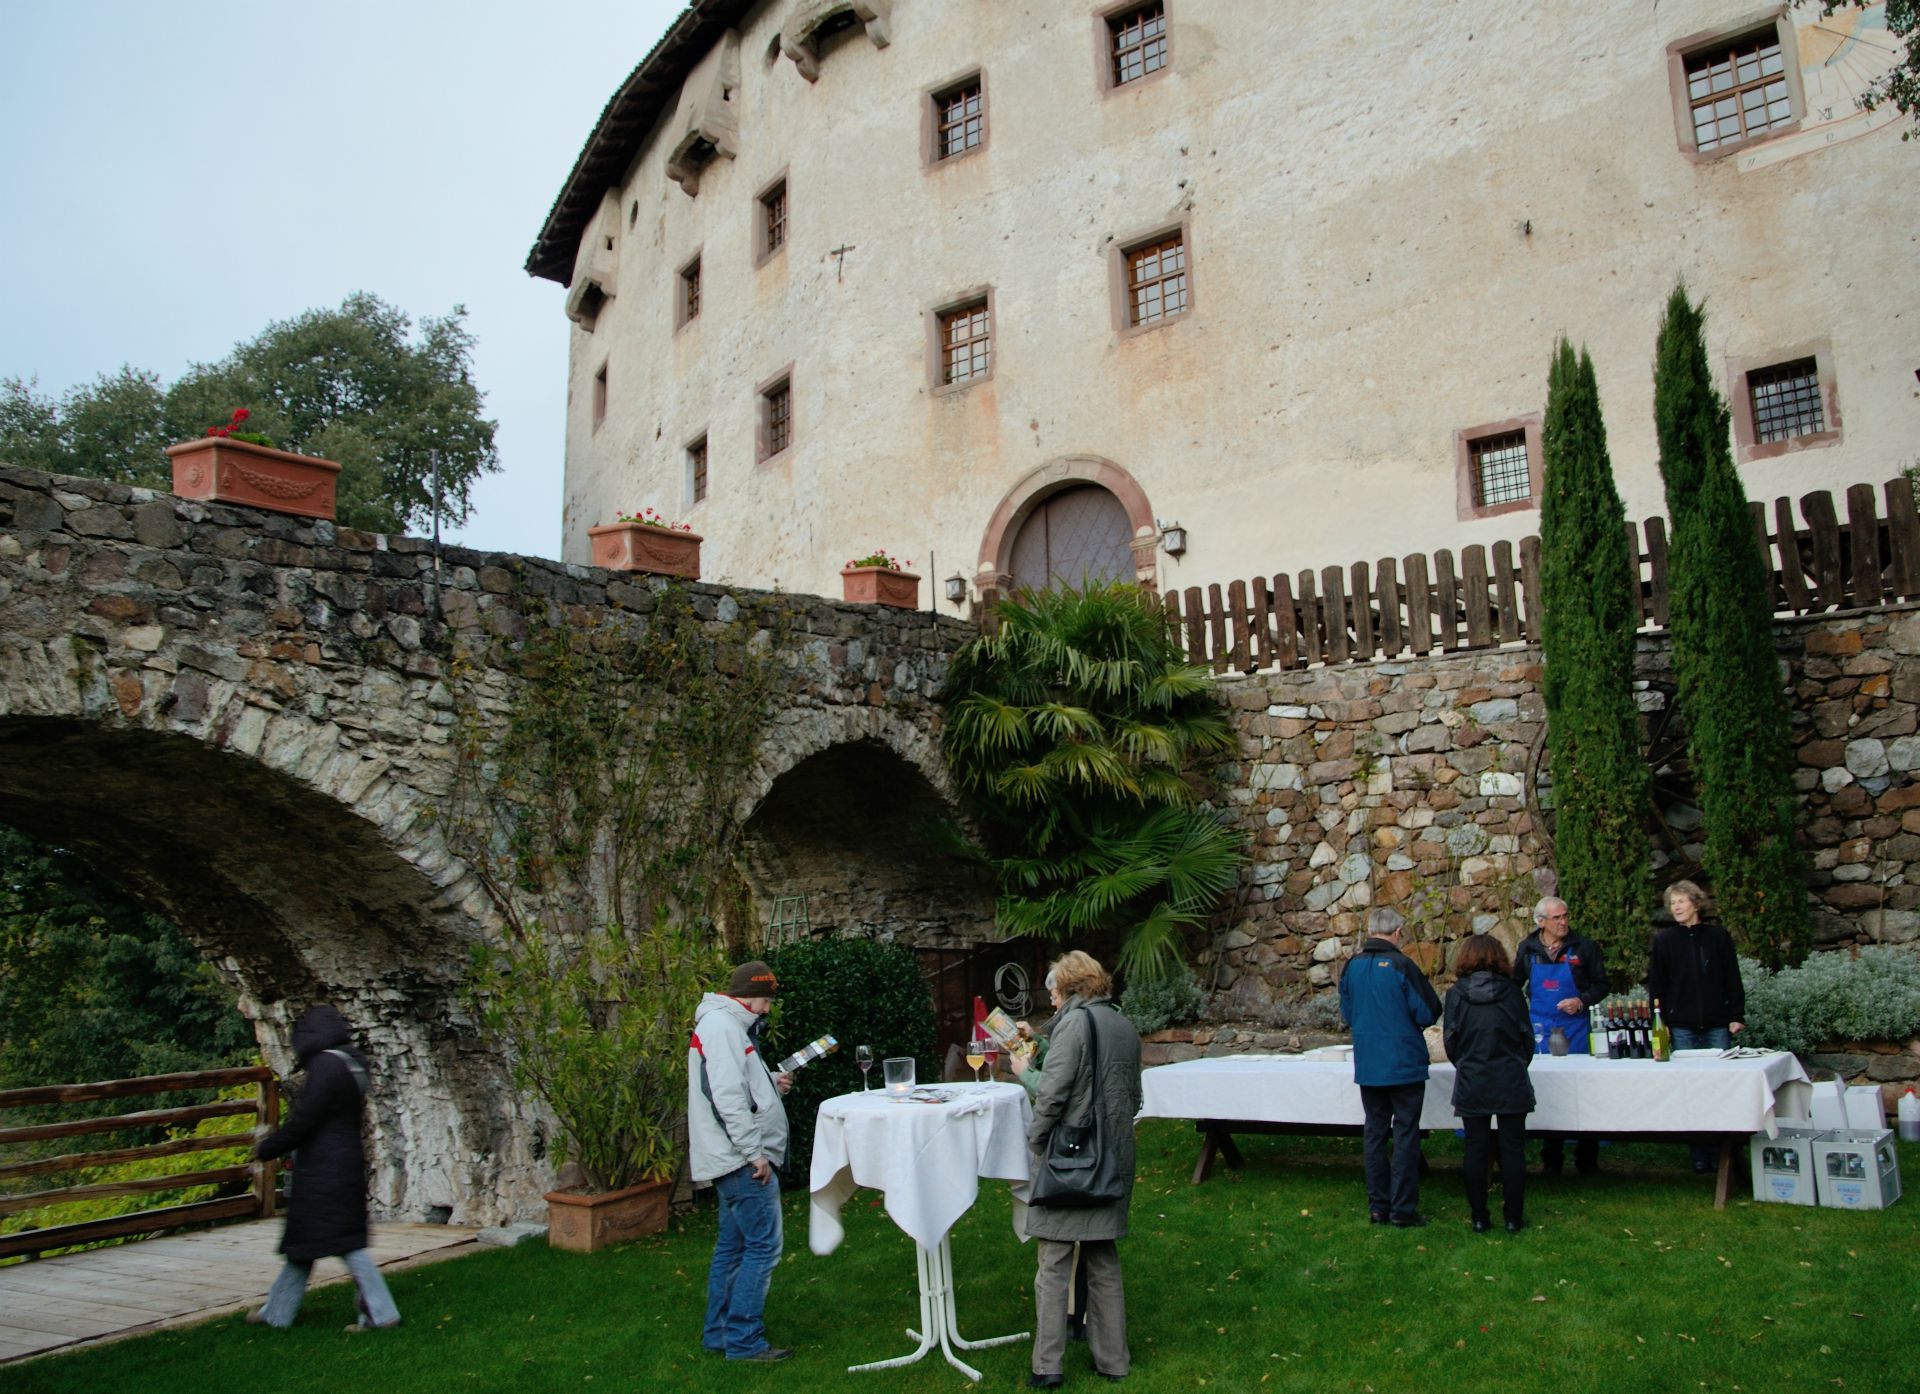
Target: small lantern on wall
{"type": "Point", "coordinates": [1173, 538]}
{"type": "Point", "coordinates": [956, 589]}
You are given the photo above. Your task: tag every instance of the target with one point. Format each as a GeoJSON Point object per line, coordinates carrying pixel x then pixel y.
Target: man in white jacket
{"type": "Point", "coordinates": [737, 1131]}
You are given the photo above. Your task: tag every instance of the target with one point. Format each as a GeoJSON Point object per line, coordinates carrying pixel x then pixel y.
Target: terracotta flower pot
{"type": "Point", "coordinates": [581, 1223]}
{"type": "Point", "coordinates": [880, 585]}
{"type": "Point", "coordinates": [643, 547]}
{"type": "Point", "coordinates": [220, 470]}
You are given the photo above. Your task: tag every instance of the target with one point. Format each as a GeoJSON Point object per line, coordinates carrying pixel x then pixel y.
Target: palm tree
{"type": "Point", "coordinates": [1071, 728]}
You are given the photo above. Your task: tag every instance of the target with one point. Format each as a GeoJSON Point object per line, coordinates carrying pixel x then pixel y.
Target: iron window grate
{"type": "Point", "coordinates": [1786, 401]}
{"type": "Point", "coordinates": [1502, 472]}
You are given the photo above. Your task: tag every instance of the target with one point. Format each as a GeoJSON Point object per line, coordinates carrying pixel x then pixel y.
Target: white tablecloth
{"type": "Point", "coordinates": [926, 1159]}
{"type": "Point", "coordinates": [1695, 1092]}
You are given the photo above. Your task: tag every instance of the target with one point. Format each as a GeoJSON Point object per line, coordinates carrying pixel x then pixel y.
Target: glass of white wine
{"type": "Point", "coordinates": [976, 1056]}
{"type": "Point", "coordinates": [863, 1057]}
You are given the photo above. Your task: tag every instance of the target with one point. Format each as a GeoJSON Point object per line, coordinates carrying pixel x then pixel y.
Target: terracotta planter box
{"type": "Point", "coordinates": [581, 1223]}
{"type": "Point", "coordinates": [880, 585]}
{"type": "Point", "coordinates": [254, 476]}
{"type": "Point", "coordinates": [641, 547]}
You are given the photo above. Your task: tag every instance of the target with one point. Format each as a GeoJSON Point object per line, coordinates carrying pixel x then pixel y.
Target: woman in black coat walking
{"type": "Point", "coordinates": [327, 1198]}
{"type": "Point", "coordinates": [1489, 1041]}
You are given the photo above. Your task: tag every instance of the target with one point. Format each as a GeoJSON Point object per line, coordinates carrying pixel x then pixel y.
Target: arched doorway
{"type": "Point", "coordinates": [1076, 518]}
{"type": "Point", "coordinates": [1076, 537]}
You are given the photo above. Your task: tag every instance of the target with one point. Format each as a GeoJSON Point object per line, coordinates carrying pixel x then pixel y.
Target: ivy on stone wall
{"type": "Point", "coordinates": [597, 795]}
{"type": "Point", "coordinates": [1588, 580]}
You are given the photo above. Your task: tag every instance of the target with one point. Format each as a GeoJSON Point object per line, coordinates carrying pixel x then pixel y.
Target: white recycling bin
{"type": "Point", "coordinates": [1783, 1166]}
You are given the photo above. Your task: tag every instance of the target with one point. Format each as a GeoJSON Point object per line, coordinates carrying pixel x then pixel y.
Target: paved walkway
{"type": "Point", "coordinates": [152, 1283]}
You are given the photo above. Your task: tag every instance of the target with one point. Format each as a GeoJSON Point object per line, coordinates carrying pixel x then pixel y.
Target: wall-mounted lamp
{"type": "Point", "coordinates": [956, 588]}
{"type": "Point", "coordinates": [1173, 538]}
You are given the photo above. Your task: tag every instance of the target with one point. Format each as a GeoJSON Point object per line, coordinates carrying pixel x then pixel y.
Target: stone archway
{"type": "Point", "coordinates": [296, 898]}
{"type": "Point", "coordinates": [997, 569]}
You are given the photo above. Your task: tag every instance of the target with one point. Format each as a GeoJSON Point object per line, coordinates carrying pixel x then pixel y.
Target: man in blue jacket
{"type": "Point", "coordinates": [1387, 1003]}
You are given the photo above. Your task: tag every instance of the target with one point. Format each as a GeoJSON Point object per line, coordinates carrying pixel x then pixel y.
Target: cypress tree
{"type": "Point", "coordinates": [1587, 580]}
{"type": "Point", "coordinates": [1731, 694]}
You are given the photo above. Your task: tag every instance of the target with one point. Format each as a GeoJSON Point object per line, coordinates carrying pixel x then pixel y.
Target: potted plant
{"type": "Point", "coordinates": [233, 465]}
{"type": "Point", "coordinates": [596, 1026]}
{"type": "Point", "coordinates": [645, 541]}
{"type": "Point", "coordinates": [878, 579]}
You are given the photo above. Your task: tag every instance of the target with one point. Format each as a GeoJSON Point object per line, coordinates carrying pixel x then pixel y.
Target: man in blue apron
{"type": "Point", "coordinates": [1564, 975]}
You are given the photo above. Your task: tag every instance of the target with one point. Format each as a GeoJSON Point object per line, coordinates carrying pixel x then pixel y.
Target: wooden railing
{"type": "Point", "coordinates": [263, 1108]}
{"type": "Point", "coordinates": [1422, 604]}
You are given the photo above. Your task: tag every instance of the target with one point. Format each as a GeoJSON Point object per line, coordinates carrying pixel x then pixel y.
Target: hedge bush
{"type": "Point", "coordinates": [1872, 996]}
{"type": "Point", "coordinates": [861, 993]}
{"type": "Point", "coordinates": [1153, 1004]}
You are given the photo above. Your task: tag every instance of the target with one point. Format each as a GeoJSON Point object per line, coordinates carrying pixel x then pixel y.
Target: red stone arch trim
{"type": "Point", "coordinates": [995, 571]}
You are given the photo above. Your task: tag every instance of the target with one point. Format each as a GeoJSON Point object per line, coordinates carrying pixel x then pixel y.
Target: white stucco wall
{"type": "Point", "coordinates": [1358, 181]}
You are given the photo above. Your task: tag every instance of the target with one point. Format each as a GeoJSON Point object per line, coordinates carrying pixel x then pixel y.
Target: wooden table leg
{"type": "Point", "coordinates": [1209, 1145]}
{"type": "Point", "coordinates": [1723, 1183]}
{"type": "Point", "coordinates": [1218, 1143]}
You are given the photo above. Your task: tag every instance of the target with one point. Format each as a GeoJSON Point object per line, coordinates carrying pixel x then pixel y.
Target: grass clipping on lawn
{"type": "Point", "coordinates": [1265, 1279]}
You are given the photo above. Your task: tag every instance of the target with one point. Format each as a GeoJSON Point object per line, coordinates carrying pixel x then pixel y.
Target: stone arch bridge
{"type": "Point", "coordinates": [245, 720]}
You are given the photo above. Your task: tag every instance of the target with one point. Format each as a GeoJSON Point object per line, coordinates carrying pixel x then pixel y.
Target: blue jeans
{"type": "Point", "coordinates": [376, 1303]}
{"type": "Point", "coordinates": [1393, 1185]}
{"type": "Point", "coordinates": [744, 1256]}
{"type": "Point", "coordinates": [1702, 1038]}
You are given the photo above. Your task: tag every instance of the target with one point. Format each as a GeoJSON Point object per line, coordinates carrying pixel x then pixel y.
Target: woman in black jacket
{"type": "Point", "coordinates": [327, 1198]}
{"type": "Point", "coordinates": [1490, 1043]}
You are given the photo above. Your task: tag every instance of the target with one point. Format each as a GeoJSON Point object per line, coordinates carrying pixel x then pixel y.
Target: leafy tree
{"type": "Point", "coordinates": [352, 384]}
{"type": "Point", "coordinates": [92, 987]}
{"type": "Point", "coordinates": [1587, 581]}
{"type": "Point", "coordinates": [1070, 728]}
{"type": "Point", "coordinates": [1901, 83]}
{"type": "Point", "coordinates": [1723, 655]}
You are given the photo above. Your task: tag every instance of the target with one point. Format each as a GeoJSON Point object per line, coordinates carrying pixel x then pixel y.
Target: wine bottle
{"type": "Point", "coordinates": [1594, 1030]}
{"type": "Point", "coordinates": [1644, 1025]}
{"type": "Point", "coordinates": [1662, 1038]}
{"type": "Point", "coordinates": [1614, 1034]}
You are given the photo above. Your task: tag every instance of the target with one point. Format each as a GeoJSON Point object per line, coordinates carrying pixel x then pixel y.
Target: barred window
{"type": "Point", "coordinates": [697, 469]}
{"type": "Point", "coordinates": [966, 342]}
{"type": "Point", "coordinates": [776, 418]}
{"type": "Point", "coordinates": [1157, 279]}
{"type": "Point", "coordinates": [1738, 90]}
{"type": "Point", "coordinates": [960, 119]}
{"type": "Point", "coordinates": [773, 219]}
{"type": "Point", "coordinates": [690, 291]}
{"type": "Point", "coordinates": [1786, 401]}
{"type": "Point", "coordinates": [1139, 42]}
{"type": "Point", "coordinates": [1502, 472]}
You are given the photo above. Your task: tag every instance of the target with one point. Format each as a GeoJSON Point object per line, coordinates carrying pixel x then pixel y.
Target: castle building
{"type": "Point", "coordinates": [1010, 287]}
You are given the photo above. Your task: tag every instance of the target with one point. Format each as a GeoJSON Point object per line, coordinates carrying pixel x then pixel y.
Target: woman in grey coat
{"type": "Point", "coordinates": [1083, 1237]}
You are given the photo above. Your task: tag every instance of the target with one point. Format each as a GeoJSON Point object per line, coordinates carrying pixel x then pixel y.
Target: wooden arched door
{"type": "Point", "coordinates": [1080, 535]}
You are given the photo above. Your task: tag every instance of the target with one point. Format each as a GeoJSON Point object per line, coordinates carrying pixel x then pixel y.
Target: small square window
{"type": "Point", "coordinates": [697, 470]}
{"type": "Point", "coordinates": [960, 119]}
{"type": "Point", "coordinates": [600, 397]}
{"type": "Point", "coordinates": [776, 417]}
{"type": "Point", "coordinates": [966, 343]}
{"type": "Point", "coordinates": [1786, 401]}
{"type": "Point", "coordinates": [773, 220]}
{"type": "Point", "coordinates": [1735, 86]}
{"type": "Point", "coordinates": [689, 305]}
{"type": "Point", "coordinates": [1138, 39]}
{"type": "Point", "coordinates": [1500, 470]}
{"type": "Point", "coordinates": [1497, 468]}
{"type": "Point", "coordinates": [1157, 280]}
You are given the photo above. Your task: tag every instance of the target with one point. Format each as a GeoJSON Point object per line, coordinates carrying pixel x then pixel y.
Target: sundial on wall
{"type": "Point", "coordinates": [1841, 56]}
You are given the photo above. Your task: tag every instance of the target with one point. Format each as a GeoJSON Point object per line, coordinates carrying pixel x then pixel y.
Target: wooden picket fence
{"type": "Point", "coordinates": [1426, 603]}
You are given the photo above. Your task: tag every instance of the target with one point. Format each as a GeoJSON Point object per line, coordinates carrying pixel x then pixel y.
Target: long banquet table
{"type": "Point", "coordinates": [1698, 1094]}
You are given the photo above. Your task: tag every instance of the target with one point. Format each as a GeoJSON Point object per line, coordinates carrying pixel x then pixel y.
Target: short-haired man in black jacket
{"type": "Point", "coordinates": [1564, 974]}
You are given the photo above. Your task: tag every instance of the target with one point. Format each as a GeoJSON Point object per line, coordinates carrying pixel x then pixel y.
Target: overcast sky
{"type": "Point", "coordinates": [177, 173]}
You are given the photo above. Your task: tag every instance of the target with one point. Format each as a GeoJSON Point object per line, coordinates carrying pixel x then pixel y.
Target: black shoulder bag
{"type": "Point", "coordinates": [1078, 1169]}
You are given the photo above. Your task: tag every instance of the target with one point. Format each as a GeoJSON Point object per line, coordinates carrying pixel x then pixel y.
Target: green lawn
{"type": "Point", "coordinates": [1269, 1279]}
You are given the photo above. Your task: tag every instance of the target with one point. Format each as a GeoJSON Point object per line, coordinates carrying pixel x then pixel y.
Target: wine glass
{"type": "Point", "coordinates": [975, 1057]}
{"type": "Point", "coordinates": [991, 1054]}
{"type": "Point", "coordinates": [863, 1057]}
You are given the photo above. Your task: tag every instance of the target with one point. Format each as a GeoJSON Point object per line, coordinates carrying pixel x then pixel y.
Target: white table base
{"type": "Point", "coordinates": [939, 1323]}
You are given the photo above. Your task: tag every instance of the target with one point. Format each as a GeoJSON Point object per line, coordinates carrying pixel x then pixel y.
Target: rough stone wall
{"type": "Point", "coordinates": [1411, 785]}
{"type": "Point", "coordinates": [245, 719]}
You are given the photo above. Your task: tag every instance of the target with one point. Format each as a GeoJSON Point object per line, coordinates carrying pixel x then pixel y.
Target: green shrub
{"type": "Point", "coordinates": [861, 993]}
{"type": "Point", "coordinates": [1871, 996]}
{"type": "Point", "coordinates": [1153, 1004]}
{"type": "Point", "coordinates": [1317, 1011]}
